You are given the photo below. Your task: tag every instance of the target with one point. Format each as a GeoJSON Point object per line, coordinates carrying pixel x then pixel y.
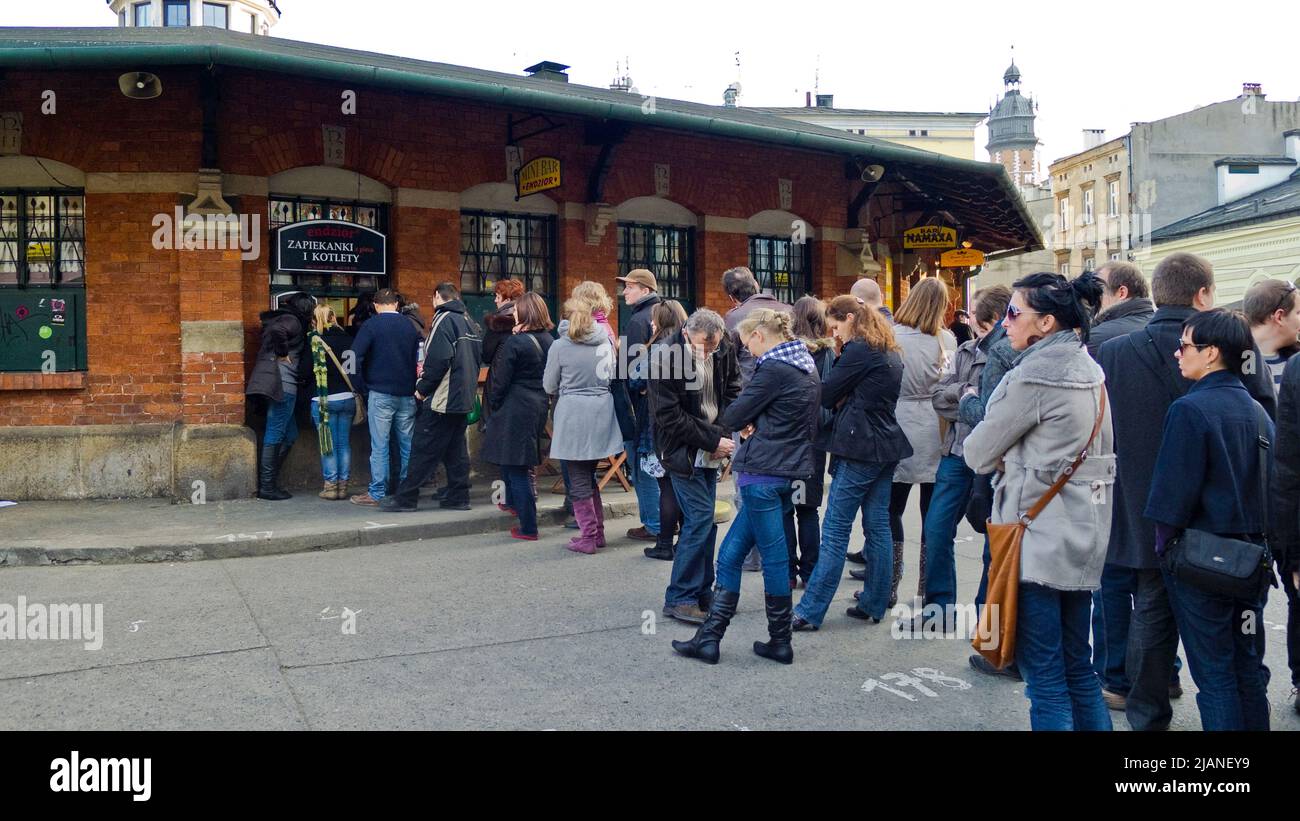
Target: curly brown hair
{"type": "Point", "coordinates": [869, 324]}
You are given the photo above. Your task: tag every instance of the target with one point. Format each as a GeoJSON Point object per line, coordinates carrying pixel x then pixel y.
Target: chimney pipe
{"type": "Point", "coordinates": [807, 100]}
{"type": "Point", "coordinates": [1252, 90]}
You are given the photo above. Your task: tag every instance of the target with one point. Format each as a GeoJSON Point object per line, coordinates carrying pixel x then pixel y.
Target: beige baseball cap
{"type": "Point", "coordinates": [641, 277]}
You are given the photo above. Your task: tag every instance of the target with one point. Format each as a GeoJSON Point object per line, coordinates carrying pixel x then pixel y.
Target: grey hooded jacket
{"type": "Point", "coordinates": [1037, 421]}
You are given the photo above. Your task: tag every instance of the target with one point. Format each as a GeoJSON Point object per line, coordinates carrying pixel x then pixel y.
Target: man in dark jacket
{"type": "Point", "coordinates": [640, 292]}
{"type": "Point", "coordinates": [1284, 516]}
{"type": "Point", "coordinates": [445, 392]}
{"type": "Point", "coordinates": [1125, 304]}
{"type": "Point", "coordinates": [386, 349]}
{"type": "Point", "coordinates": [1142, 381]}
{"type": "Point", "coordinates": [742, 289]}
{"type": "Point", "coordinates": [693, 379]}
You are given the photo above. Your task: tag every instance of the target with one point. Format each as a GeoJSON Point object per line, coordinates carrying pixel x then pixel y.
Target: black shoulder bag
{"type": "Point", "coordinates": [1220, 565]}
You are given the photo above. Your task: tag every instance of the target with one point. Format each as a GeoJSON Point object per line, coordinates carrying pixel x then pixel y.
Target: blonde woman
{"type": "Point", "coordinates": [579, 367]}
{"type": "Point", "coordinates": [777, 413]}
{"type": "Point", "coordinates": [334, 404]}
{"type": "Point", "coordinates": [926, 348]}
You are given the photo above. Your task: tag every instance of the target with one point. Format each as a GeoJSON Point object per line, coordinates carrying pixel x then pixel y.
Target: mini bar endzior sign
{"type": "Point", "coordinates": [537, 175]}
{"type": "Point", "coordinates": [331, 247]}
{"type": "Point", "coordinates": [930, 236]}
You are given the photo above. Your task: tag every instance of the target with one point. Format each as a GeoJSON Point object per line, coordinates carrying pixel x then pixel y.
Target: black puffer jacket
{"type": "Point", "coordinates": [865, 428]}
{"type": "Point", "coordinates": [679, 426]}
{"type": "Point", "coordinates": [282, 334]}
{"type": "Point", "coordinates": [780, 400]}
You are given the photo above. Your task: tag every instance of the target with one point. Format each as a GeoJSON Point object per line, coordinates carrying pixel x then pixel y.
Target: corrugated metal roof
{"type": "Point", "coordinates": [1271, 203]}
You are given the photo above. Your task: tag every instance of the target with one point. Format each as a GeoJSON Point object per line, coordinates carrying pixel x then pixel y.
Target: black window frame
{"type": "Point", "coordinates": [223, 7]}
{"type": "Point", "coordinates": [472, 259]}
{"type": "Point", "coordinates": [168, 5]}
{"type": "Point", "coordinates": [57, 239]}
{"type": "Point", "coordinates": [330, 285]}
{"type": "Point", "coordinates": [679, 284]}
{"type": "Point", "coordinates": [147, 8]}
{"type": "Point", "coordinates": [764, 273]}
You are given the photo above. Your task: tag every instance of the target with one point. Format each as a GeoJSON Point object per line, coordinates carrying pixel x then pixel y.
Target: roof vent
{"type": "Point", "coordinates": [825, 100]}
{"type": "Point", "coordinates": [547, 70]}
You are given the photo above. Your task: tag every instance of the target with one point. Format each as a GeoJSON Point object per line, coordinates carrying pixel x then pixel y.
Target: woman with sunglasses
{"type": "Point", "coordinates": [1047, 410]}
{"type": "Point", "coordinates": [1208, 477]}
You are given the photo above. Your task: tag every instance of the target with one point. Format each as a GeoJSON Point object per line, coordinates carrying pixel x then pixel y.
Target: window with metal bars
{"type": "Point", "coordinates": [42, 237]}
{"type": "Point", "coordinates": [495, 246]}
{"type": "Point", "coordinates": [287, 210]}
{"type": "Point", "coordinates": [666, 251]}
{"type": "Point", "coordinates": [782, 267]}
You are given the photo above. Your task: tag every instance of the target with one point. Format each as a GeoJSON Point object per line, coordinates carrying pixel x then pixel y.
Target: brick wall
{"type": "Point", "coordinates": [270, 123]}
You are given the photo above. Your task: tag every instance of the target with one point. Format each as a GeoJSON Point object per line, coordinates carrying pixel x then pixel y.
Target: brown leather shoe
{"type": "Point", "coordinates": [688, 613]}
{"type": "Point", "coordinates": [642, 535]}
{"type": "Point", "coordinates": [364, 499]}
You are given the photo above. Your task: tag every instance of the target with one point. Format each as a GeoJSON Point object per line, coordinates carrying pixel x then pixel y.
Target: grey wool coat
{"type": "Point", "coordinates": [923, 361]}
{"type": "Point", "coordinates": [578, 372]}
{"type": "Point", "coordinates": [1036, 423]}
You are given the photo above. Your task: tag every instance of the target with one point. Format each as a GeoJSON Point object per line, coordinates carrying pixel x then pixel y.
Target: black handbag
{"type": "Point", "coordinates": [1222, 565]}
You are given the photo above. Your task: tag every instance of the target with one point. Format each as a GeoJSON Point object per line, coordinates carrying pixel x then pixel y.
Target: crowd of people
{"type": "Point", "coordinates": [1146, 443]}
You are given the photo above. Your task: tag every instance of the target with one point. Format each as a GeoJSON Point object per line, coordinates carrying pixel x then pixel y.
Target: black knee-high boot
{"type": "Point", "coordinates": [268, 470]}
{"type": "Point", "coordinates": [704, 646]}
{"type": "Point", "coordinates": [780, 613]}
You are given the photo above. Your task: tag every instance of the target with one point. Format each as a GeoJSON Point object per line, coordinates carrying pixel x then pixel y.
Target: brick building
{"type": "Point", "coordinates": [123, 352]}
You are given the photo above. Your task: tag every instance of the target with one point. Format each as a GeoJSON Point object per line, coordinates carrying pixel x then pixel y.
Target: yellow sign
{"type": "Point", "coordinates": [961, 258]}
{"type": "Point", "coordinates": [40, 252]}
{"type": "Point", "coordinates": [930, 236]}
{"type": "Point", "coordinates": [541, 174]}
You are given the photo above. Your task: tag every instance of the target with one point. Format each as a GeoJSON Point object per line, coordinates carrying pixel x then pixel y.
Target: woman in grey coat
{"type": "Point", "coordinates": [926, 345]}
{"type": "Point", "coordinates": [585, 430]}
{"type": "Point", "coordinates": [1038, 421]}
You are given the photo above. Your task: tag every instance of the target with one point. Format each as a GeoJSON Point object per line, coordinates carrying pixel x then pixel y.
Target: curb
{"type": "Point", "coordinates": [283, 544]}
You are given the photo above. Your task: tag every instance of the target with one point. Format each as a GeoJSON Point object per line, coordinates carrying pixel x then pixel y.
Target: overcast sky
{"type": "Point", "coordinates": [1092, 64]}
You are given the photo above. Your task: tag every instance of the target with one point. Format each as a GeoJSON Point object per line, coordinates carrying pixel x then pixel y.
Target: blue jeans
{"type": "Point", "coordinates": [336, 465]}
{"type": "Point", "coordinates": [281, 424]}
{"type": "Point", "coordinates": [1225, 656]}
{"type": "Point", "coordinates": [951, 492]}
{"type": "Point", "coordinates": [387, 412]}
{"type": "Point", "coordinates": [692, 576]}
{"type": "Point", "coordinates": [1112, 610]}
{"type": "Point", "coordinates": [647, 489]}
{"type": "Point", "coordinates": [520, 489]}
{"type": "Point", "coordinates": [1053, 656]}
{"type": "Point", "coordinates": [854, 485]}
{"type": "Point", "coordinates": [759, 523]}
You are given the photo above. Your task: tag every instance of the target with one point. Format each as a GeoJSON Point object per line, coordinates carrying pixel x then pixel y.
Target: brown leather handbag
{"type": "Point", "coordinates": [996, 639]}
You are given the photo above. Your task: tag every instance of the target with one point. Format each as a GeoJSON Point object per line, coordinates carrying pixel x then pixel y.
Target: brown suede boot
{"type": "Point", "coordinates": [328, 492]}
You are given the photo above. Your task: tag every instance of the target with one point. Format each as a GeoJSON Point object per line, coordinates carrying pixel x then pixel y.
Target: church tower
{"type": "Point", "coordinates": [1012, 141]}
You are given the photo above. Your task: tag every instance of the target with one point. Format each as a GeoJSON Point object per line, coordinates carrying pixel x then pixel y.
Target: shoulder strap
{"type": "Point", "coordinates": [536, 344]}
{"type": "Point", "coordinates": [1078, 460]}
{"type": "Point", "coordinates": [1265, 445]}
{"type": "Point", "coordinates": [336, 362]}
{"type": "Point", "coordinates": [1149, 352]}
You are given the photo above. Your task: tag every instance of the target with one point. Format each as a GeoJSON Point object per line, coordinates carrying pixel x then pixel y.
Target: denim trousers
{"type": "Point", "coordinates": [281, 423]}
{"type": "Point", "coordinates": [947, 505]}
{"type": "Point", "coordinates": [386, 414]}
{"type": "Point", "coordinates": [1054, 658]}
{"type": "Point", "coordinates": [1112, 611]}
{"type": "Point", "coordinates": [854, 485]}
{"type": "Point", "coordinates": [759, 523]}
{"type": "Point", "coordinates": [336, 466]}
{"type": "Point", "coordinates": [692, 574]}
{"type": "Point", "coordinates": [646, 487]}
{"type": "Point", "coordinates": [520, 489]}
{"type": "Point", "coordinates": [1222, 637]}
